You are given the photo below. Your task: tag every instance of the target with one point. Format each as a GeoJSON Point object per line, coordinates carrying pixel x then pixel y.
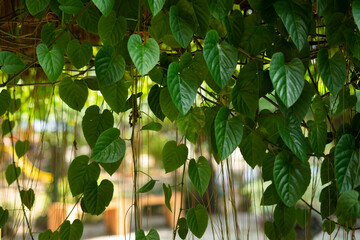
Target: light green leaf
{"type": "Point", "coordinates": [285, 218]}
{"type": "Point", "coordinates": [156, 6]}
{"type": "Point", "coordinates": [51, 61]}
{"type": "Point", "coordinates": [146, 56]}
{"type": "Point", "coordinates": [356, 12]}
{"type": "Point", "coordinates": [80, 173]}
{"type": "Point", "coordinates": [153, 126]}
{"type": "Point", "coordinates": [36, 6]}
{"type": "Point", "coordinates": [89, 19]}
{"type": "Point", "coordinates": [109, 148]}
{"type": "Point", "coordinates": [94, 123]}
{"type": "Point", "coordinates": [72, 231]}
{"type": "Point", "coordinates": [318, 135]}
{"type": "Point", "coordinates": [197, 220]}
{"type": "Point", "coordinates": [221, 58]}
{"type": "Point", "coordinates": [191, 124]}
{"type": "Point", "coordinates": [112, 28]}
{"type": "Point", "coordinates": [294, 20]}
{"type": "Point", "coordinates": [291, 134]}
{"type": "Point", "coordinates": [154, 102]}
{"type": "Point", "coordinates": [287, 79]}
{"type": "Point", "coordinates": [291, 178]}
{"type": "Point", "coordinates": [10, 63]}
{"type": "Point", "coordinates": [73, 93]}
{"type": "Point", "coordinates": [332, 71]}
{"type": "Point", "coordinates": [220, 8]}
{"type": "Point", "coordinates": [12, 173]}
{"type": "Point", "coordinates": [167, 194]}
{"type": "Point", "coordinates": [79, 54]}
{"type": "Point", "coordinates": [27, 198]}
{"type": "Point", "coordinates": [105, 7]}
{"type": "Point", "coordinates": [115, 95]}
{"type": "Point", "coordinates": [200, 174]}
{"type": "Point", "coordinates": [109, 67]}
{"type": "Point", "coordinates": [180, 28]}
{"type": "Point", "coordinates": [173, 156]}
{"type": "Point", "coordinates": [97, 198]}
{"type": "Point", "coordinates": [21, 147]}
{"type": "Point", "coordinates": [4, 216]}
{"type": "Point", "coordinates": [346, 163]}
{"type": "Point", "coordinates": [167, 106]}
{"type": "Point", "coordinates": [228, 133]}
{"type": "Point", "coordinates": [5, 100]}
{"type": "Point", "coordinates": [147, 187]}
{"type": "Point", "coordinates": [348, 206]}
{"type": "Point", "coordinates": [71, 6]}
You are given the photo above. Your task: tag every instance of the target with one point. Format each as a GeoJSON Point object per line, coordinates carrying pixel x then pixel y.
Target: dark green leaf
{"type": "Point", "coordinates": [328, 199]}
{"type": "Point", "coordinates": [71, 6]}
{"type": "Point", "coordinates": [235, 27]}
{"type": "Point", "coordinates": [154, 102]}
{"type": "Point", "coordinates": [105, 7]}
{"type": "Point", "coordinates": [328, 226]}
{"type": "Point", "coordinates": [72, 231]}
{"type": "Point", "coordinates": [285, 218]}
{"type": "Point", "coordinates": [10, 63]}
{"type": "Point", "coordinates": [111, 168]}
{"type": "Point", "coordinates": [348, 206]}
{"type": "Point", "coordinates": [245, 98]}
{"type": "Point", "coordinates": [197, 220]}
{"type": "Point", "coordinates": [202, 14]}
{"type": "Point", "coordinates": [5, 100]}
{"type": "Point", "coordinates": [346, 163]}
{"type": "Point", "coordinates": [21, 147]}
{"type": "Point", "coordinates": [115, 95]}
{"type": "Point", "coordinates": [153, 126]}
{"type": "Point", "coordinates": [112, 28]}
{"type": "Point", "coordinates": [7, 126]}
{"type": "Point", "coordinates": [191, 124]}
{"type": "Point", "coordinates": [37, 6]}
{"type": "Point", "coordinates": [94, 123]}
{"type": "Point", "coordinates": [49, 235]}
{"type": "Point", "coordinates": [167, 194]}
{"type": "Point", "coordinates": [228, 133]}
{"type": "Point", "coordinates": [332, 71]}
{"type": "Point", "coordinates": [302, 217]}
{"type": "Point", "coordinates": [167, 106]}
{"type": "Point", "coordinates": [268, 166]}
{"type": "Point", "coordinates": [173, 156]}
{"type": "Point", "coordinates": [356, 12]}
{"type": "Point", "coordinates": [97, 198]}
{"type": "Point", "coordinates": [27, 198]}
{"type": "Point", "coordinates": [156, 6]}
{"type": "Point", "coordinates": [73, 93]}
{"type": "Point", "coordinates": [181, 30]}
{"type": "Point", "coordinates": [4, 215]}
{"type": "Point", "coordinates": [89, 19]}
{"type": "Point", "coordinates": [80, 173]}
{"type": "Point", "coordinates": [200, 174]}
{"type": "Point", "coordinates": [287, 78]}
{"type": "Point", "coordinates": [152, 235]}
{"type": "Point", "coordinates": [14, 105]}
{"type": "Point", "coordinates": [291, 178]}
{"type": "Point", "coordinates": [147, 187]}
{"type": "Point", "coordinates": [220, 8]}
{"type": "Point", "coordinates": [51, 61]}
{"type": "Point", "coordinates": [183, 228]}
{"type": "Point", "coordinates": [221, 58]}
{"type": "Point", "coordinates": [320, 108]}
{"type": "Point", "coordinates": [79, 54]}
{"type": "Point", "coordinates": [92, 82]}
{"type": "Point", "coordinates": [109, 148]}
{"type": "Point", "coordinates": [109, 67]}
{"type": "Point", "coordinates": [270, 196]}
{"type": "Point", "coordinates": [146, 56]}
{"type": "Point", "coordinates": [327, 170]}
{"type": "Point", "coordinates": [318, 135]}
{"type": "Point", "coordinates": [253, 149]}
{"type": "Point", "coordinates": [12, 173]}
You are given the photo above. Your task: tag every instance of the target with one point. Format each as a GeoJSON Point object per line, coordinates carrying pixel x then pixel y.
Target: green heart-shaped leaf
{"type": "Point", "coordinates": [156, 6]}
{"type": "Point", "coordinates": [7, 126]}
{"type": "Point", "coordinates": [79, 54]}
{"type": "Point", "coordinates": [27, 198]}
{"type": "Point", "coordinates": [111, 168]}
{"type": "Point", "coordinates": [287, 79]}
{"type": "Point", "coordinates": [72, 231]}
{"type": "Point", "coordinates": [348, 206]}
{"type": "Point", "coordinates": [115, 95]}
{"type": "Point", "coordinates": [5, 100]}
{"type": "Point", "coordinates": [147, 187]}
{"type": "Point", "coordinates": [94, 123]}
{"type": "Point", "coordinates": [200, 174]}
{"type": "Point", "coordinates": [253, 149]}
{"type": "Point", "coordinates": [154, 102]}
{"type": "Point", "coordinates": [220, 8]}
{"type": "Point", "coordinates": [51, 61]}
{"type": "Point", "coordinates": [109, 148]}
{"type": "Point", "coordinates": [109, 67]}
{"type": "Point", "coordinates": [73, 93]}
{"type": "Point", "coordinates": [36, 6]}
{"type": "Point", "coordinates": [71, 6]}
{"type": "Point", "coordinates": [183, 228]}
{"type": "Point", "coordinates": [21, 147]}
{"type": "Point", "coordinates": [332, 70]}
{"type": "Point", "coordinates": [4, 216]}
{"type": "Point", "coordinates": [228, 133]}
{"type": "Point", "coordinates": [294, 19]}
{"type": "Point", "coordinates": [12, 173]}
{"type": "Point", "coordinates": [285, 218]}
{"type": "Point", "coordinates": [146, 56]}
{"type": "Point", "coordinates": [10, 63]}
{"type": "Point", "coordinates": [181, 30]}
{"type": "Point", "coordinates": [173, 156]}
{"type": "Point", "coordinates": [318, 135]}
{"type": "Point", "coordinates": [152, 235]}
{"type": "Point", "coordinates": [80, 173]}
{"type": "Point", "coordinates": [167, 194]}
{"type": "Point", "coordinates": [346, 163]}
{"type": "Point", "coordinates": [328, 199]}
{"type": "Point", "coordinates": [191, 124]}
{"type": "Point", "coordinates": [89, 19]}
{"type": "Point", "coordinates": [105, 7]}
{"type": "Point", "coordinates": [112, 28]}
{"type": "Point", "coordinates": [197, 220]}
{"type": "Point", "coordinates": [291, 134]}
{"type": "Point", "coordinates": [153, 126]}
{"type": "Point", "coordinates": [49, 235]}
{"type": "Point", "coordinates": [221, 58]}
{"type": "Point", "coordinates": [291, 178]}
{"type": "Point", "coordinates": [97, 198]}
{"type": "Point", "coordinates": [167, 106]}
{"type": "Point", "coordinates": [48, 33]}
